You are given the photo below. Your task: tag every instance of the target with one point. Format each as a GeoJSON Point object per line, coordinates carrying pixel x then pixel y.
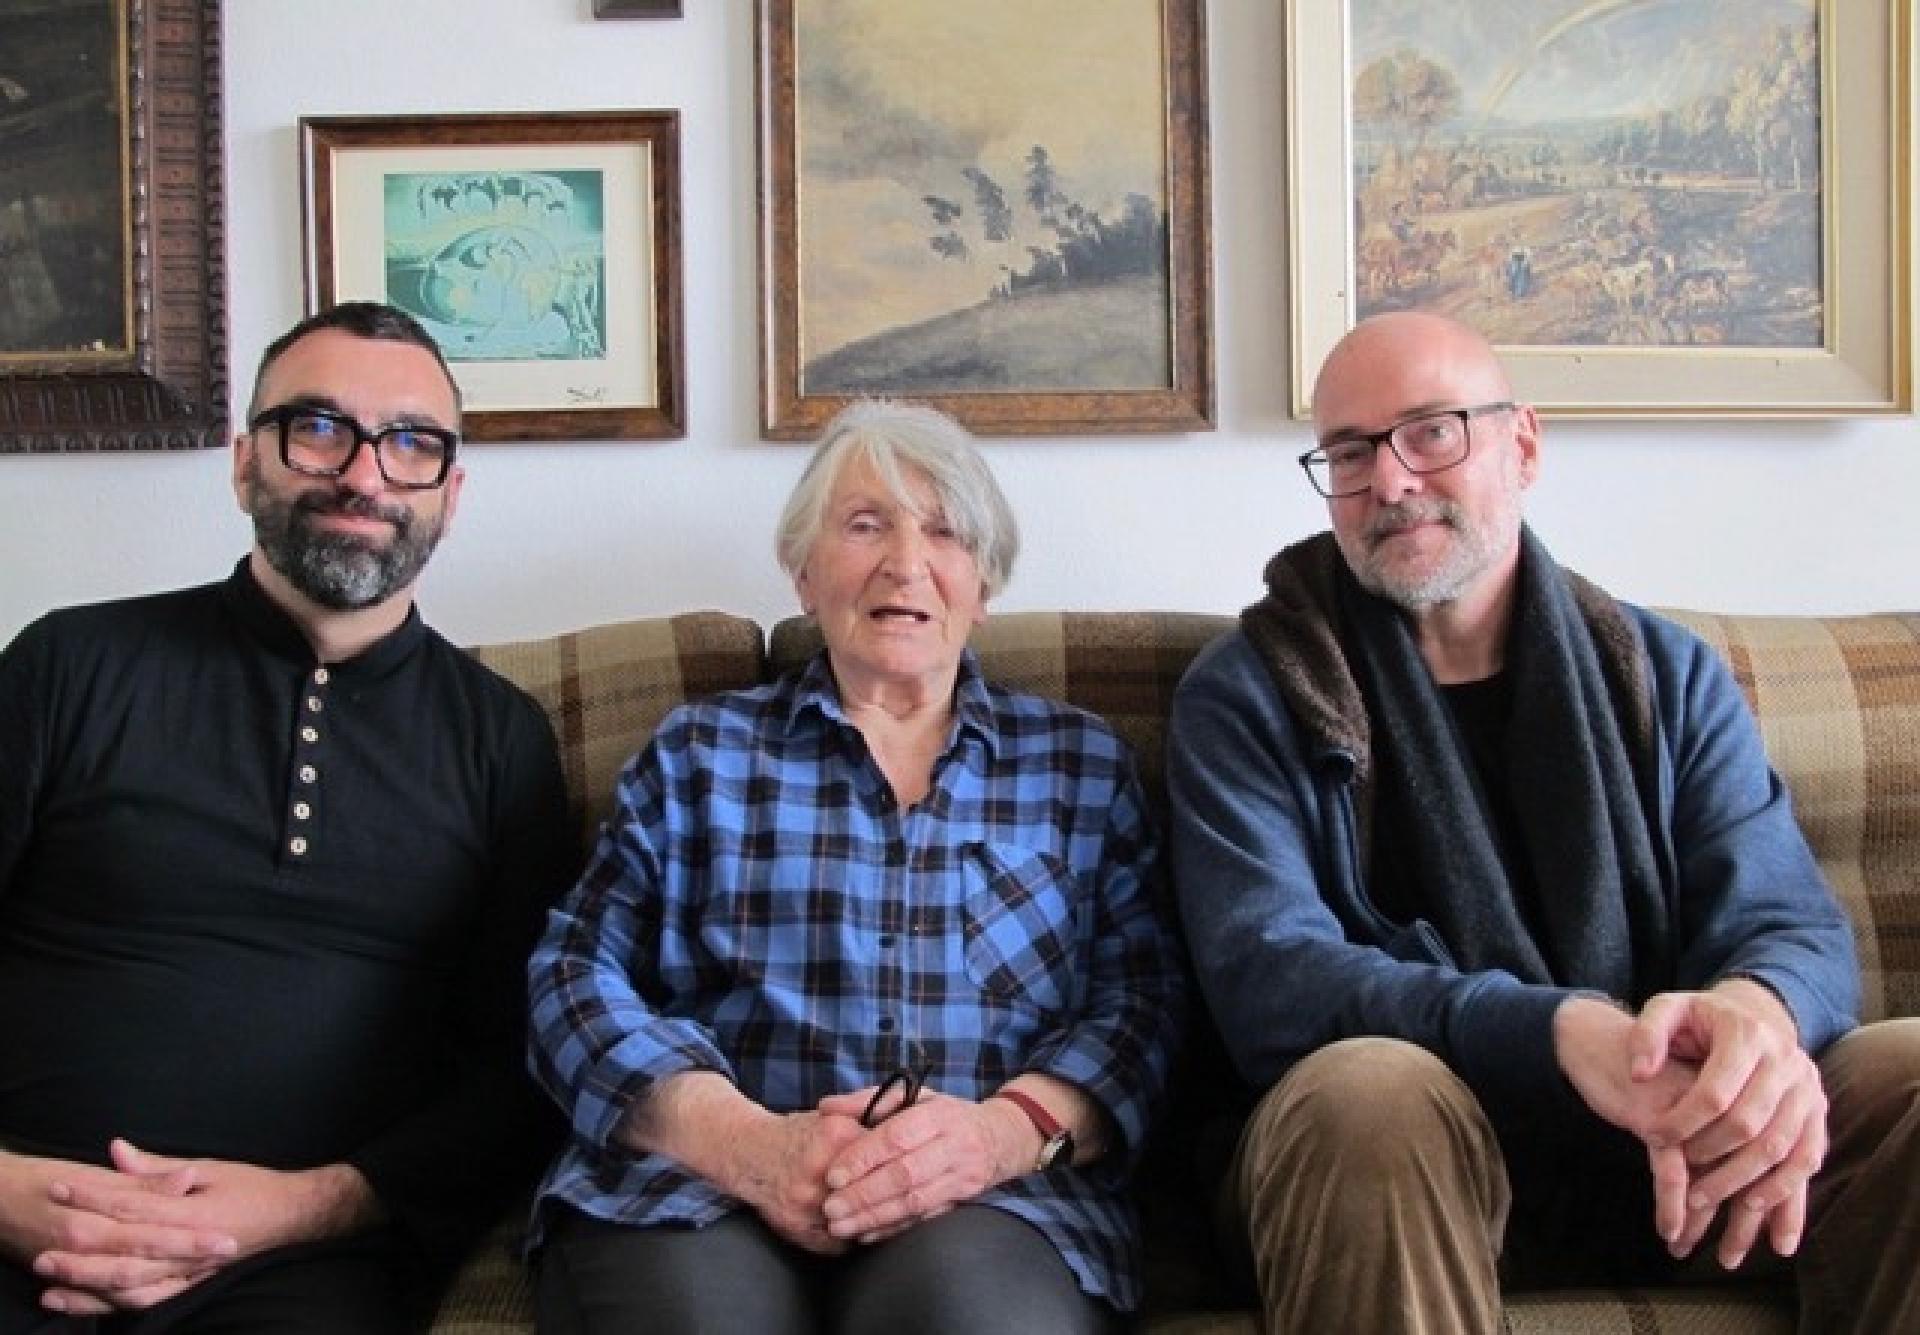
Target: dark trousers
{"type": "Point", "coordinates": [975, 1269]}
{"type": "Point", "coordinates": [355, 1287]}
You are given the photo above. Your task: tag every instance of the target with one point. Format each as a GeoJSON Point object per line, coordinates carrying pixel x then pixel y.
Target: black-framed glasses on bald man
{"type": "Point", "coordinates": [322, 443]}
{"type": "Point", "coordinates": [1431, 442]}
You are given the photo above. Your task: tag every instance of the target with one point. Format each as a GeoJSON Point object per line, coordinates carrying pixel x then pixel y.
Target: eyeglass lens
{"type": "Point", "coordinates": [324, 443]}
{"type": "Point", "coordinates": [1427, 444]}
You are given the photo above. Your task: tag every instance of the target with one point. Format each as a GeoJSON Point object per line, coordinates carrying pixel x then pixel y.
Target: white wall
{"type": "Point", "coordinates": [1785, 517]}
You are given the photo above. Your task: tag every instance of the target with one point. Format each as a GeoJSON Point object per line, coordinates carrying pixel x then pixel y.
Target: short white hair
{"type": "Point", "coordinates": [897, 439]}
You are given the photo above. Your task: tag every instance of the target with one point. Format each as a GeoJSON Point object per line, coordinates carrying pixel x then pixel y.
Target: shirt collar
{"type": "Point", "coordinates": [269, 626]}
{"type": "Point", "coordinates": [815, 691]}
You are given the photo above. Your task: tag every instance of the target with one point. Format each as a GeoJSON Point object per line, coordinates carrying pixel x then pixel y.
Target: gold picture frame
{"type": "Point", "coordinates": [1666, 312]}
{"type": "Point", "coordinates": [542, 250]}
{"type": "Point", "coordinates": [1000, 208]}
{"type": "Point", "coordinates": [112, 228]}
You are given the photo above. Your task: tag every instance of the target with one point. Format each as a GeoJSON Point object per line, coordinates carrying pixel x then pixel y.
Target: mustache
{"type": "Point", "coordinates": [354, 505]}
{"type": "Point", "coordinates": [1403, 515]}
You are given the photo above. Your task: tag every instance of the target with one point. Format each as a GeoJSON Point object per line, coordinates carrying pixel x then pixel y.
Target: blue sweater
{"type": "Point", "coordinates": [1292, 955]}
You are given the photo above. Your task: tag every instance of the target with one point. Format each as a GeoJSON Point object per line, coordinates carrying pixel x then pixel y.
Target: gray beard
{"type": "Point", "coordinates": [1472, 550]}
{"type": "Point", "coordinates": [338, 570]}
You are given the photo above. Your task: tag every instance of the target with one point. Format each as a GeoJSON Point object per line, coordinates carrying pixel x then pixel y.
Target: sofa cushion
{"type": "Point", "coordinates": [606, 689]}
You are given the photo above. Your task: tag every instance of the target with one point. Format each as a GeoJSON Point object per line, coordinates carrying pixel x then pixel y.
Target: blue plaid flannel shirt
{"type": "Point", "coordinates": [760, 906]}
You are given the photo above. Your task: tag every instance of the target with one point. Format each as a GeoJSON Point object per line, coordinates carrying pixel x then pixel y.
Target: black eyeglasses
{"type": "Point", "coordinates": [900, 1090]}
{"type": "Point", "coordinates": [1430, 443]}
{"type": "Point", "coordinates": [322, 443]}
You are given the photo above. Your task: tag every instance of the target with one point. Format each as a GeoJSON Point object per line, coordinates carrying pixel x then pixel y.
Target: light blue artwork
{"type": "Point", "coordinates": [501, 265]}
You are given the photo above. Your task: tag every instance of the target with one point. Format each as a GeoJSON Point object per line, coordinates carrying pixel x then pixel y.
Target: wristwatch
{"type": "Point", "coordinates": [1057, 1141]}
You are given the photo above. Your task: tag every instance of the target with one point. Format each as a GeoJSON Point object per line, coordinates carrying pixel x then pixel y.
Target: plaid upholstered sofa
{"type": "Point", "coordinates": [1838, 701]}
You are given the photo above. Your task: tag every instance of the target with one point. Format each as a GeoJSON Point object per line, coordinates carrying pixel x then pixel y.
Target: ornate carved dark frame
{"type": "Point", "coordinates": [171, 394]}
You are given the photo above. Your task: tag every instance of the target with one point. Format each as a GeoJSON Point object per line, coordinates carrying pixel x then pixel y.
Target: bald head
{"type": "Point", "coordinates": [1404, 362]}
{"type": "Point", "coordinates": [1422, 530]}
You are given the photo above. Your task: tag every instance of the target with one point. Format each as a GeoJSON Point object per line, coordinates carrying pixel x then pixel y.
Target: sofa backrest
{"type": "Point", "coordinates": [606, 689]}
{"type": "Point", "coordinates": [1838, 700]}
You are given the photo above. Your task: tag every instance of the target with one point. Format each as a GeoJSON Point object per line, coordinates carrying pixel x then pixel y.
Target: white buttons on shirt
{"type": "Point", "coordinates": [297, 846]}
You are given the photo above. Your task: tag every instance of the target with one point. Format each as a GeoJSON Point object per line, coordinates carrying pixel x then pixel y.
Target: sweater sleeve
{"type": "Point", "coordinates": [447, 1171]}
{"type": "Point", "coordinates": [1289, 954]}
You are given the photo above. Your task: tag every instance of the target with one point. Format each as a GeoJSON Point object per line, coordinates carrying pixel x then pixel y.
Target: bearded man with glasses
{"type": "Point", "coordinates": [272, 855]}
{"type": "Point", "coordinates": [1505, 918]}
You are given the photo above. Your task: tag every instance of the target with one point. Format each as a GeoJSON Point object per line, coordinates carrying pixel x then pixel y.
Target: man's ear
{"type": "Point", "coordinates": [1526, 439]}
{"type": "Point", "coordinates": [244, 452]}
{"type": "Point", "coordinates": [450, 500]}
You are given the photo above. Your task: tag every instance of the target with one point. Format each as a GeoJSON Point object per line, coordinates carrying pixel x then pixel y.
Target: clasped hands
{"type": "Point", "coordinates": [149, 1227]}
{"type": "Point", "coordinates": [1730, 1108]}
{"type": "Point", "coordinates": [825, 1183]}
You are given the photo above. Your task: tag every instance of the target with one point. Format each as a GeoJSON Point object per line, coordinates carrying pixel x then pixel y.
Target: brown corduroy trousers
{"type": "Point", "coordinates": [1371, 1194]}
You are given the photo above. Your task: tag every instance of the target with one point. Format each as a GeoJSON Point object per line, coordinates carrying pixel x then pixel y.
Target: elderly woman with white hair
{"type": "Point", "coordinates": [859, 1011]}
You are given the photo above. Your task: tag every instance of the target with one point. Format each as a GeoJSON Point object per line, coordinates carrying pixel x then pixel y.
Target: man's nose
{"type": "Point", "coordinates": [362, 473]}
{"type": "Point", "coordinates": [1392, 479]}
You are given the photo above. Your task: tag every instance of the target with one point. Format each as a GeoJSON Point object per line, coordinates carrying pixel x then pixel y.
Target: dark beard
{"type": "Point", "coordinates": [338, 570]}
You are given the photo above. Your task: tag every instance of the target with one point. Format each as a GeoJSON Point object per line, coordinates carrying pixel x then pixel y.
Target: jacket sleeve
{"type": "Point", "coordinates": [447, 1171]}
{"type": "Point", "coordinates": [1289, 955]}
{"type": "Point", "coordinates": [1752, 900]}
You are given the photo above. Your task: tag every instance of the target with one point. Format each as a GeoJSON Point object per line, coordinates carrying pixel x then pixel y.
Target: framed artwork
{"type": "Point", "coordinates": [997, 207]}
{"type": "Point", "coordinates": [1692, 208]}
{"type": "Point", "coordinates": [112, 229]}
{"type": "Point", "coordinates": [541, 250]}
{"type": "Point", "coordinates": [636, 9]}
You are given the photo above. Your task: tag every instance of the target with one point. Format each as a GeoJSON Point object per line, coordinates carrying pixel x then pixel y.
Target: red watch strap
{"type": "Point", "coordinates": [1043, 1121]}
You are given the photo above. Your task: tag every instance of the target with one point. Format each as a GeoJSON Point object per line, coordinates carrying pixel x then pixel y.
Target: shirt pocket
{"type": "Point", "coordinates": [1021, 926]}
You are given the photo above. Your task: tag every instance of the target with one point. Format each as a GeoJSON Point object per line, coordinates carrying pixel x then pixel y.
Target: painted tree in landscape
{"type": "Point", "coordinates": [1406, 94]}
{"type": "Point", "coordinates": [1086, 246]}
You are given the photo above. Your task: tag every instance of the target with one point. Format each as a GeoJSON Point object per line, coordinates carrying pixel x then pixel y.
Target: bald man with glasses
{"type": "Point", "coordinates": [1504, 917]}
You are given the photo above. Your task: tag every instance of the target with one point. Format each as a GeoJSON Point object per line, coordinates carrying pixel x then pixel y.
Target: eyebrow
{"type": "Point", "coordinates": [333, 405]}
{"type": "Point", "coordinates": [1426, 409]}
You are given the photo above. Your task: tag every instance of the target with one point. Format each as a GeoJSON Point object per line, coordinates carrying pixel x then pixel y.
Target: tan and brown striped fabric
{"type": "Point", "coordinates": [1838, 700]}
{"type": "Point", "coordinates": [606, 689]}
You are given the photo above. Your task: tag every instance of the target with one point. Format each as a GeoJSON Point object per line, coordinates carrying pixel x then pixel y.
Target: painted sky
{"type": "Point", "coordinates": [898, 96]}
{"type": "Point", "coordinates": [1623, 57]}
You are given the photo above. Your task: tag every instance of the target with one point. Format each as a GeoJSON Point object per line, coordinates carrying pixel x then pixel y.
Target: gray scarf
{"type": "Point", "coordinates": [1581, 761]}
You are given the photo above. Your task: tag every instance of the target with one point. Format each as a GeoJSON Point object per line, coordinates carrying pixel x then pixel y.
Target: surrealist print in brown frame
{"type": "Point", "coordinates": [998, 207]}
{"type": "Point", "coordinates": [541, 249]}
{"type": "Point", "coordinates": [112, 227]}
